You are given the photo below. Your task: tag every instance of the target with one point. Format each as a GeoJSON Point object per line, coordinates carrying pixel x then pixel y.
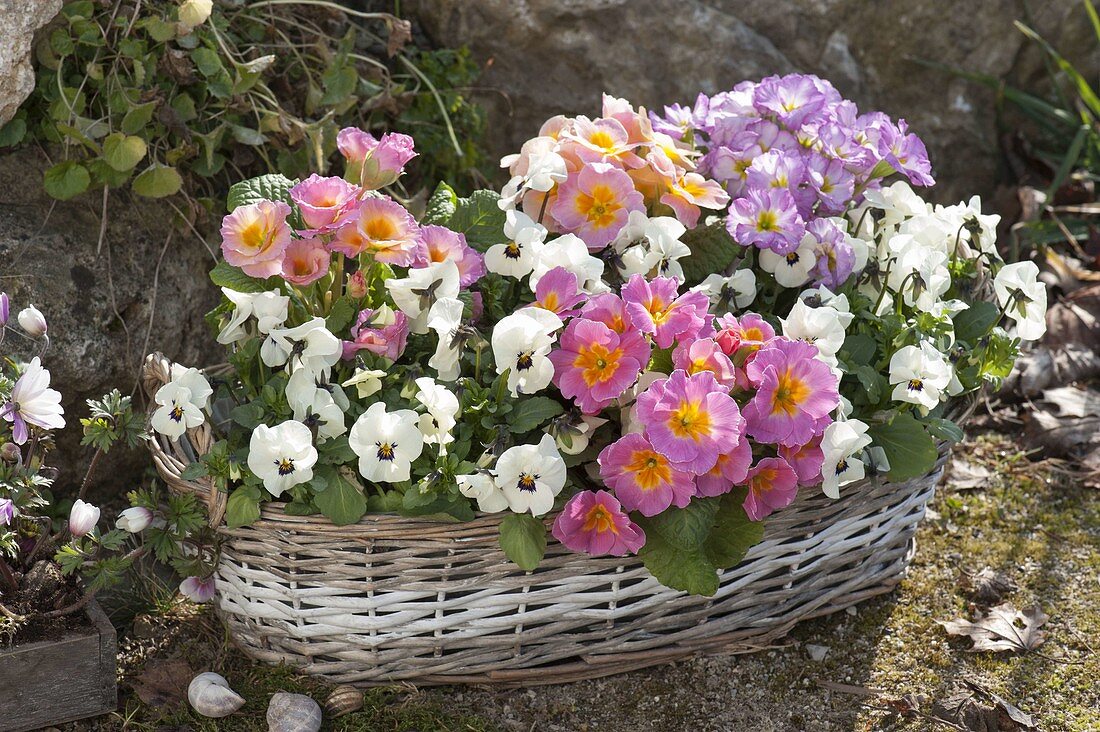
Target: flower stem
{"type": "Point", "coordinates": [88, 474]}
{"type": "Point", "coordinates": [8, 577]}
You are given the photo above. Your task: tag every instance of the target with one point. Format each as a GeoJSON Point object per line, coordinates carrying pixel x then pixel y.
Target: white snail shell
{"type": "Point", "coordinates": [293, 713]}
{"type": "Point", "coordinates": [210, 695]}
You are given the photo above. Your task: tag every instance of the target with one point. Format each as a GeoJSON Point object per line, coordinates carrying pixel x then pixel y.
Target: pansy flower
{"type": "Point", "coordinates": [386, 443]}
{"type": "Point", "coordinates": [517, 256]}
{"type": "Point", "coordinates": [593, 522]}
{"type": "Point", "coordinates": [642, 478]}
{"type": "Point", "coordinates": [595, 202]}
{"type": "Point", "coordinates": [655, 308]}
{"type": "Point", "coordinates": [521, 346]}
{"type": "Point", "coordinates": [594, 365]}
{"type": "Point", "coordinates": [531, 476]}
{"type": "Point", "coordinates": [773, 484]}
{"type": "Point", "coordinates": [690, 419]}
{"type": "Point", "coordinates": [795, 393]}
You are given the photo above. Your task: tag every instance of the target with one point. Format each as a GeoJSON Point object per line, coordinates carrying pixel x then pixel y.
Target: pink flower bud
{"type": "Point", "coordinates": [374, 163]}
{"type": "Point", "coordinates": [5, 309]}
{"type": "Point", "coordinates": [134, 520]}
{"type": "Point", "coordinates": [7, 511]}
{"type": "Point", "coordinates": [82, 518]}
{"type": "Point", "coordinates": [33, 321]}
{"type": "Point", "coordinates": [357, 285]}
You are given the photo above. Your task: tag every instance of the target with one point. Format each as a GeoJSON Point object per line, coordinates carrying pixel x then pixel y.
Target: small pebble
{"type": "Point", "coordinates": [817, 653]}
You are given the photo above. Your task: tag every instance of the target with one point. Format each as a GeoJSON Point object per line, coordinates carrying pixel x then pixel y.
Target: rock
{"type": "Point", "coordinates": [817, 653]}
{"type": "Point", "coordinates": [18, 23]}
{"type": "Point", "coordinates": [550, 57]}
{"type": "Point", "coordinates": [50, 258]}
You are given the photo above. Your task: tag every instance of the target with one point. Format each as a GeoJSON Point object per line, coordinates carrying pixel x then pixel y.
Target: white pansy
{"type": "Point", "coordinates": [367, 382]}
{"type": "Point", "coordinates": [177, 412]}
{"type": "Point", "coordinates": [629, 413]}
{"type": "Point", "coordinates": [415, 294]}
{"type": "Point", "coordinates": [570, 252]}
{"type": "Point", "coordinates": [651, 245]}
{"type": "Point", "coordinates": [521, 345]}
{"type": "Point", "coordinates": [531, 476]}
{"type": "Point", "coordinates": [483, 488]}
{"type": "Point", "coordinates": [823, 296]}
{"type": "Point", "coordinates": [1019, 282]}
{"type": "Point", "coordinates": [386, 443]}
{"type": "Point", "coordinates": [578, 434]}
{"type": "Point", "coordinates": [282, 456]}
{"type": "Point", "coordinates": [840, 446]}
{"type": "Point", "coordinates": [268, 308]}
{"type": "Point", "coordinates": [920, 374]}
{"type": "Point", "coordinates": [739, 288]}
{"type": "Point", "coordinates": [517, 256]}
{"type": "Point", "coordinates": [821, 326]}
{"type": "Point", "coordinates": [919, 275]}
{"type": "Point", "coordinates": [791, 270]}
{"type": "Point", "coordinates": [194, 380]}
{"type": "Point", "coordinates": [310, 345]}
{"type": "Point", "coordinates": [444, 318]}
{"type": "Point", "coordinates": [314, 405]}
{"type": "Point", "coordinates": [441, 405]}
{"type": "Point", "coordinates": [969, 224]}
{"type": "Point", "coordinates": [898, 202]}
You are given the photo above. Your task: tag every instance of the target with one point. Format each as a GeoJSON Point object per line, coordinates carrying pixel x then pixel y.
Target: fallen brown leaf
{"type": "Point", "coordinates": [987, 587]}
{"type": "Point", "coordinates": [163, 682]}
{"type": "Point", "coordinates": [964, 475]}
{"type": "Point", "coordinates": [1003, 628]}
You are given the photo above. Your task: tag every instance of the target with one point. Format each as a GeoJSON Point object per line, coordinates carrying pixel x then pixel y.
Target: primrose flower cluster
{"type": "Point", "coordinates": [663, 326]}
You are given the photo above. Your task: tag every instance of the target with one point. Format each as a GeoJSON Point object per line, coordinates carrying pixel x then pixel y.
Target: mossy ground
{"type": "Point", "coordinates": [1033, 522]}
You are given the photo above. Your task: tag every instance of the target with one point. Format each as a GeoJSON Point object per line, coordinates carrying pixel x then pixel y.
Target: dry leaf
{"type": "Point", "coordinates": [980, 710]}
{"type": "Point", "coordinates": [1004, 628]}
{"type": "Point", "coordinates": [400, 34]}
{"type": "Point", "coordinates": [965, 475]}
{"type": "Point", "coordinates": [163, 683]}
{"type": "Point", "coordinates": [987, 587]}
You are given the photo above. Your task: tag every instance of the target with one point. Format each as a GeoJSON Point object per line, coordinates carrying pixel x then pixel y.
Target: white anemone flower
{"type": "Point", "coordinates": [415, 293]}
{"type": "Point", "coordinates": [517, 256]}
{"type": "Point", "coordinates": [386, 443]}
{"type": "Point", "coordinates": [791, 270]}
{"type": "Point", "coordinates": [282, 456]}
{"type": "Point", "coordinates": [310, 345]}
{"type": "Point", "coordinates": [33, 403]}
{"type": "Point", "coordinates": [134, 519]}
{"type": "Point", "coordinates": [268, 308]}
{"type": "Point", "coordinates": [314, 405]}
{"type": "Point", "coordinates": [821, 326]}
{"type": "Point", "coordinates": [177, 412]}
{"type": "Point", "coordinates": [739, 289]}
{"type": "Point", "coordinates": [82, 518]}
{"type": "Point", "coordinates": [441, 405]}
{"type": "Point", "coordinates": [570, 251]}
{"type": "Point", "coordinates": [444, 318]}
{"type": "Point", "coordinates": [531, 476]}
{"type": "Point", "coordinates": [840, 445]}
{"type": "Point", "coordinates": [483, 488]}
{"type": "Point", "coordinates": [521, 345]}
{"type": "Point", "coordinates": [920, 374]}
{"type": "Point", "coordinates": [1019, 281]}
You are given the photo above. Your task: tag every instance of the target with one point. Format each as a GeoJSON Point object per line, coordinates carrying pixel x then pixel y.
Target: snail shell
{"type": "Point", "coordinates": [210, 695]}
{"type": "Point", "coordinates": [343, 700]}
{"type": "Point", "coordinates": [293, 713]}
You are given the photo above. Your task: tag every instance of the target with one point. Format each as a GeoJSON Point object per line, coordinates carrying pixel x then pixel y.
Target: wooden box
{"type": "Point", "coordinates": [50, 682]}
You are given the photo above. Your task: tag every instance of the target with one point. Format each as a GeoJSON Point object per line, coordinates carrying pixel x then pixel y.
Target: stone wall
{"type": "Point", "coordinates": [555, 56]}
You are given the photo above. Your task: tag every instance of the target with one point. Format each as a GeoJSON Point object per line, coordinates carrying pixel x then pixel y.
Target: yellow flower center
{"type": "Point", "coordinates": [603, 140]}
{"type": "Point", "coordinates": [600, 520]}
{"type": "Point", "coordinates": [379, 228]}
{"type": "Point", "coordinates": [649, 468]}
{"type": "Point", "coordinates": [767, 221]}
{"type": "Point", "coordinates": [789, 394]}
{"type": "Point", "coordinates": [599, 207]}
{"type": "Point", "coordinates": [690, 420]}
{"type": "Point", "coordinates": [598, 364]}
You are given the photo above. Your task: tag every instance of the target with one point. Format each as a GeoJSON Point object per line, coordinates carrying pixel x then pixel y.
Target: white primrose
{"type": "Point", "coordinates": [521, 345]}
{"type": "Point", "coordinates": [840, 445]}
{"type": "Point", "coordinates": [415, 294]}
{"type": "Point", "coordinates": [531, 476]}
{"type": "Point", "coordinates": [386, 443]}
{"type": "Point", "coordinates": [920, 375]}
{"type": "Point", "coordinates": [442, 405]}
{"type": "Point", "coordinates": [444, 318]}
{"type": "Point", "coordinates": [482, 487]}
{"type": "Point", "coordinates": [1025, 298]}
{"type": "Point", "coordinates": [517, 256]}
{"type": "Point", "coordinates": [310, 345]}
{"type": "Point", "coordinates": [282, 456]}
{"type": "Point", "coordinates": [177, 412]}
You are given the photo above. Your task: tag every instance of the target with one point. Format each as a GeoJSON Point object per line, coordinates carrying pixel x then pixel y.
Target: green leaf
{"type": "Point", "coordinates": [66, 180]}
{"type": "Point", "coordinates": [441, 206]}
{"type": "Point", "coordinates": [123, 152]}
{"type": "Point", "coordinates": [909, 448]}
{"type": "Point", "coordinates": [194, 471]}
{"type": "Point", "coordinates": [13, 132]}
{"type": "Point", "coordinates": [531, 412]}
{"type": "Point", "coordinates": [976, 321]}
{"type": "Point", "coordinates": [687, 570]}
{"type": "Point", "coordinates": [860, 347]}
{"type": "Point", "coordinates": [243, 507]}
{"type": "Point", "coordinates": [248, 415]}
{"type": "Point", "coordinates": [247, 135]}
{"type": "Point", "coordinates": [341, 502]}
{"type": "Point", "coordinates": [157, 181]}
{"type": "Point", "coordinates": [733, 533]}
{"type": "Point", "coordinates": [340, 317]}
{"type": "Point", "coordinates": [480, 219]}
{"type": "Point", "coordinates": [523, 539]}
{"type": "Point", "coordinates": [661, 360]}
{"type": "Point", "coordinates": [944, 429]}
{"type": "Point", "coordinates": [339, 83]}
{"type": "Point", "coordinates": [272, 187]}
{"type": "Point", "coordinates": [226, 275]}
{"type": "Point", "coordinates": [207, 61]}
{"type": "Point", "coordinates": [712, 250]}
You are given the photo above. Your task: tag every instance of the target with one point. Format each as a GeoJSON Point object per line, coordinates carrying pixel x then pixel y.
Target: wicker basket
{"type": "Point", "coordinates": [399, 599]}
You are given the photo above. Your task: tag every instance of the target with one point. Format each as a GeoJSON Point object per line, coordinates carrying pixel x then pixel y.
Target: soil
{"type": "Point", "coordinates": [43, 588]}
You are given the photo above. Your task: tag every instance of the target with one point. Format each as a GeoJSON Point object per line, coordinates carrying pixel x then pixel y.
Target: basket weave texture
{"type": "Point", "coordinates": [395, 599]}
